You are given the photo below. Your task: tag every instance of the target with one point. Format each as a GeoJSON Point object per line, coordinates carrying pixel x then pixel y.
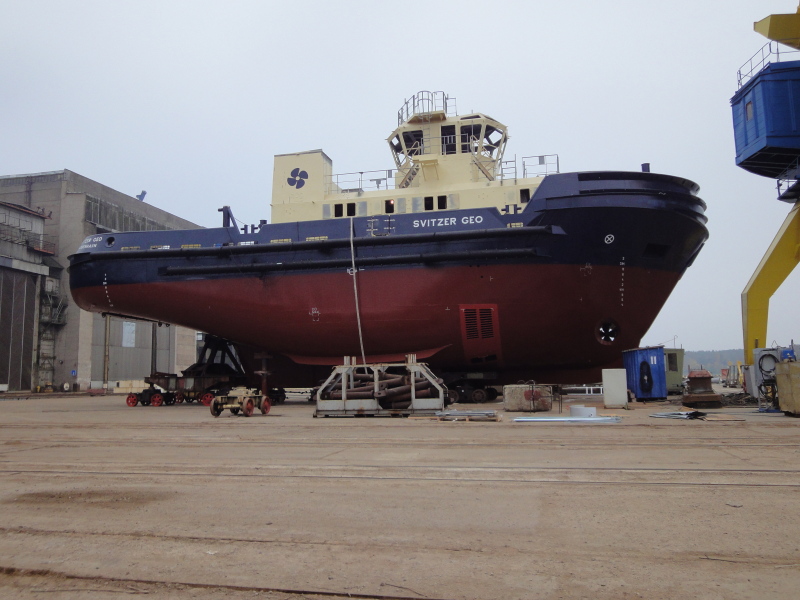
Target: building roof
{"type": "Point", "coordinates": [24, 209]}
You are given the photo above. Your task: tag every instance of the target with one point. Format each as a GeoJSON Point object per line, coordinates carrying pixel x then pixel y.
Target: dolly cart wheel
{"type": "Point", "coordinates": [179, 398]}
{"type": "Point", "coordinates": [207, 398]}
{"type": "Point", "coordinates": [156, 399]}
{"type": "Point", "coordinates": [247, 407]}
{"type": "Point", "coordinates": [265, 405]}
{"type": "Point", "coordinates": [479, 396]}
{"type": "Point", "coordinates": [132, 400]}
{"type": "Point", "coordinates": [216, 410]}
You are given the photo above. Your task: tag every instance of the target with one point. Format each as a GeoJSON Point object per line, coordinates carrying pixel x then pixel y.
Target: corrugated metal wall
{"type": "Point", "coordinates": [17, 328]}
{"type": "Point", "coordinates": [129, 353]}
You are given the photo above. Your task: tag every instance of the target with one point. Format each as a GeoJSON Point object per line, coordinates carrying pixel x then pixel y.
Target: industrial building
{"type": "Point", "coordinates": [45, 340]}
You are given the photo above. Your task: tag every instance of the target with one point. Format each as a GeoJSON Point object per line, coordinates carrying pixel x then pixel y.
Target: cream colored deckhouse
{"type": "Point", "coordinates": [442, 162]}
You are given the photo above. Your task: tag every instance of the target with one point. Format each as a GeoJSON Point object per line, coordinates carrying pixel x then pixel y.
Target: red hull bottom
{"type": "Point", "coordinates": [541, 322]}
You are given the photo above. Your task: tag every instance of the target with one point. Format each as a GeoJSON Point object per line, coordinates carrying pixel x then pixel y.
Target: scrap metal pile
{"type": "Point", "coordinates": [390, 390]}
{"type": "Point", "coordinates": [381, 388]}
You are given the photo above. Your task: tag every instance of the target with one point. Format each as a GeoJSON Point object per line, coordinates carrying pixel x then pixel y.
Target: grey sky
{"type": "Point", "coordinates": [190, 100]}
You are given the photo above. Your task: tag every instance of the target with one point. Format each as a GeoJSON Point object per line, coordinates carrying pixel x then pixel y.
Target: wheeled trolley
{"type": "Point", "coordinates": [240, 400]}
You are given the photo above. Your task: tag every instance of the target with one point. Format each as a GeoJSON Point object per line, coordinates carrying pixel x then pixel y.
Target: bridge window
{"type": "Point", "coordinates": [413, 142]}
{"type": "Point", "coordinates": [470, 135]}
{"type": "Point", "coordinates": [448, 139]}
{"type": "Point", "coordinates": [428, 202]}
{"type": "Point", "coordinates": [493, 139]}
{"type": "Point", "coordinates": [748, 111]}
{"type": "Point", "coordinates": [524, 195]}
{"type": "Point", "coordinates": [397, 146]}
{"type": "Point", "coordinates": [351, 209]}
{"type": "Point", "coordinates": [441, 202]}
{"type": "Point", "coordinates": [338, 210]}
{"type": "Point", "coordinates": [388, 206]}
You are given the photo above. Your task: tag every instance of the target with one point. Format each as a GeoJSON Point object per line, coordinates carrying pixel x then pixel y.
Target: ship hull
{"type": "Point", "coordinates": [554, 294]}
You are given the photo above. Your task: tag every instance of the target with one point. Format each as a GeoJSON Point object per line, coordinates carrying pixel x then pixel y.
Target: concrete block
{"type": "Point", "coordinates": [615, 388]}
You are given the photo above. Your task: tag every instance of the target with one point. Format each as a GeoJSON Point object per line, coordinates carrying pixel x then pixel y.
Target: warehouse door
{"type": "Point", "coordinates": [17, 331]}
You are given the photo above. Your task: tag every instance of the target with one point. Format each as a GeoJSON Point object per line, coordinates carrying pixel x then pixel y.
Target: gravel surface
{"type": "Point", "coordinates": [99, 500]}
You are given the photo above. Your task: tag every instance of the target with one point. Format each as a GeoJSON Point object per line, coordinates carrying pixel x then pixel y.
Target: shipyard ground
{"type": "Point", "coordinates": [99, 500]}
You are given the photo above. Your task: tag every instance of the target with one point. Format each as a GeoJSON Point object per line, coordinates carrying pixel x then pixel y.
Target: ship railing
{"type": "Point", "coordinates": [360, 181]}
{"type": "Point", "coordinates": [771, 52]}
{"type": "Point", "coordinates": [425, 102]}
{"type": "Point", "coordinates": [787, 183]}
{"type": "Point", "coordinates": [429, 144]}
{"type": "Point", "coordinates": [539, 166]}
{"type": "Point", "coordinates": [483, 149]}
{"type": "Point", "coordinates": [508, 169]}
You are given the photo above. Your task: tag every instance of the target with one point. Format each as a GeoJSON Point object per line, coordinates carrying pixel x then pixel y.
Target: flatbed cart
{"type": "Point", "coordinates": [240, 399]}
{"type": "Point", "coordinates": [217, 371]}
{"type": "Point", "coordinates": [169, 389]}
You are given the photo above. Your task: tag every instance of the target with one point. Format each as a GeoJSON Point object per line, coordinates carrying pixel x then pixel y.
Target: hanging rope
{"type": "Point", "coordinates": [353, 272]}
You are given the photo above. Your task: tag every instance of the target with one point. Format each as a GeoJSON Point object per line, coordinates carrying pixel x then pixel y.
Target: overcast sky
{"type": "Point", "coordinates": [190, 100]}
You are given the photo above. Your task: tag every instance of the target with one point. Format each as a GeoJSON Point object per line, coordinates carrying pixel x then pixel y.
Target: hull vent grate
{"type": "Point", "coordinates": [480, 333]}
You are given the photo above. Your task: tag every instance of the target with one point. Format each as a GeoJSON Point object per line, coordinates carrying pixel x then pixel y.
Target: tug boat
{"type": "Point", "coordinates": [490, 270]}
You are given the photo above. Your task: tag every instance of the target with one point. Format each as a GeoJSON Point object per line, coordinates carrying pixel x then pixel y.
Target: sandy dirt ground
{"type": "Point", "coordinates": [99, 500]}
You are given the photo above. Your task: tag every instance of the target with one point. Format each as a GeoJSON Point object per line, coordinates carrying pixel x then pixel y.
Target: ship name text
{"type": "Point", "coordinates": [447, 221]}
{"type": "Point", "coordinates": [90, 242]}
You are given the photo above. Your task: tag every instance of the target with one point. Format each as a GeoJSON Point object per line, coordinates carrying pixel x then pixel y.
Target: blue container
{"type": "Point", "coordinates": [646, 372]}
{"type": "Point", "coordinates": [766, 120]}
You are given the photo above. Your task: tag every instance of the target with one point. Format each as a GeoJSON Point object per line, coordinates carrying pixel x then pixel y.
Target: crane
{"type": "Point", "coordinates": [766, 121]}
